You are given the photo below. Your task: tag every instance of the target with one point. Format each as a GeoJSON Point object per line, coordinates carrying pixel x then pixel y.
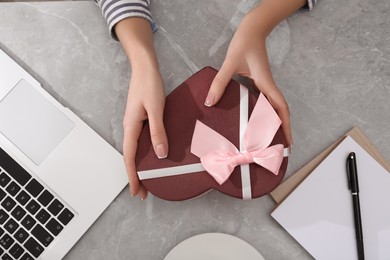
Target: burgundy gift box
{"type": "Point", "coordinates": [181, 176]}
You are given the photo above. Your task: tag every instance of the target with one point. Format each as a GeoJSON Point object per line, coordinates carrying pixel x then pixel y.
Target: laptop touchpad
{"type": "Point", "coordinates": [31, 122]}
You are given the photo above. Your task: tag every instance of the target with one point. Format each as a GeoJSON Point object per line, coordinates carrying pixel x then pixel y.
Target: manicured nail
{"type": "Point", "coordinates": [161, 151]}
{"type": "Point", "coordinates": [209, 100]}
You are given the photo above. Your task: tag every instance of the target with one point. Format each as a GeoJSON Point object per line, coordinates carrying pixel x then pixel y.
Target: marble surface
{"type": "Point", "coordinates": [332, 64]}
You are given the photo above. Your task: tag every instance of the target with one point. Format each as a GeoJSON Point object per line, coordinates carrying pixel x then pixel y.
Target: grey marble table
{"type": "Point", "coordinates": [332, 64]}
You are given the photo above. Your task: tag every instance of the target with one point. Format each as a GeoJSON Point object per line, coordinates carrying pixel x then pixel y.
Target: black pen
{"type": "Point", "coordinates": [353, 185]}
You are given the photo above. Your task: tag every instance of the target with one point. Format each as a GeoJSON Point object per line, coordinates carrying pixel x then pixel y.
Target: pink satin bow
{"type": "Point", "coordinates": [219, 156]}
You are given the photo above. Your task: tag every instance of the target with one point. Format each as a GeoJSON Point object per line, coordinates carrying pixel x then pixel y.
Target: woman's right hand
{"type": "Point", "coordinates": [146, 96]}
{"type": "Point", "coordinates": [145, 101]}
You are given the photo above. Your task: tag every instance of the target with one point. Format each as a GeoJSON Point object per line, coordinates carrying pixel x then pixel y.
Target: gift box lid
{"type": "Point", "coordinates": [181, 175]}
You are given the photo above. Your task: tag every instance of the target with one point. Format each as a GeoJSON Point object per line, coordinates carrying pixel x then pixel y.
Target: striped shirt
{"type": "Point", "coordinates": [117, 10]}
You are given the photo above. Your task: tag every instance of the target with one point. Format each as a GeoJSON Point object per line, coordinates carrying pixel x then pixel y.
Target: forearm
{"type": "Point", "coordinates": [135, 35]}
{"type": "Point", "coordinates": [269, 13]}
{"type": "Point", "coordinates": [256, 26]}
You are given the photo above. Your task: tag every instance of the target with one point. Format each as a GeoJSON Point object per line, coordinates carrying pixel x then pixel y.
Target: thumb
{"type": "Point", "coordinates": [219, 84]}
{"type": "Point", "coordinates": [158, 135]}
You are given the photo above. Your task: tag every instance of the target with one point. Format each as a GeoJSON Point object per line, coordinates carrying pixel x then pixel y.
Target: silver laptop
{"type": "Point", "coordinates": [56, 174]}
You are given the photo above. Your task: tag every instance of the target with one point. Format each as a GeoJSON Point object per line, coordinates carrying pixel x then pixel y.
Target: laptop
{"type": "Point", "coordinates": [56, 174]}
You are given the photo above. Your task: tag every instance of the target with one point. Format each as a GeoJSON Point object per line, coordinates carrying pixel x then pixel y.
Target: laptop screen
{"type": "Point", "coordinates": [31, 122]}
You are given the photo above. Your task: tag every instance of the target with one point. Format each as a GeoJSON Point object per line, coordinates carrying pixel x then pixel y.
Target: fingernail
{"type": "Point", "coordinates": [161, 151]}
{"type": "Point", "coordinates": [209, 100]}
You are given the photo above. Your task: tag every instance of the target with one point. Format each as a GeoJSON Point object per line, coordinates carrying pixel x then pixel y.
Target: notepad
{"type": "Point", "coordinates": [288, 185]}
{"type": "Point", "coordinates": [319, 212]}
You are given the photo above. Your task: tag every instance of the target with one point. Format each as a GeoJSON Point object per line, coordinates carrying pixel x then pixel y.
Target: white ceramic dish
{"type": "Point", "coordinates": [213, 246]}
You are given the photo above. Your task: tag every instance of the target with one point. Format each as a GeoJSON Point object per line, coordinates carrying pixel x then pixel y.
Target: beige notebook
{"type": "Point", "coordinates": [286, 187]}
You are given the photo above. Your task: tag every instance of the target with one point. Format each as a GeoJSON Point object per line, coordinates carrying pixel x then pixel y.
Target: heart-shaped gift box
{"type": "Point", "coordinates": [181, 175]}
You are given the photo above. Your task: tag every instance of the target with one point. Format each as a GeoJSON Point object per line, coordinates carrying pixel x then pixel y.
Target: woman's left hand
{"type": "Point", "coordinates": [247, 56]}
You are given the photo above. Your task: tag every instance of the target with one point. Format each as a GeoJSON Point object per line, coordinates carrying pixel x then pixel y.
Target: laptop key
{"type": "Point", "coordinates": [28, 222]}
{"type": "Point", "coordinates": [33, 207]}
{"type": "Point", "coordinates": [11, 226]}
{"type": "Point", "coordinates": [42, 235]}
{"type": "Point", "coordinates": [4, 179]}
{"type": "Point", "coordinates": [1, 251]}
{"type": "Point", "coordinates": [21, 235]}
{"type": "Point", "coordinates": [33, 247]}
{"type": "Point", "coordinates": [3, 216]}
{"type": "Point", "coordinates": [16, 251]}
{"type": "Point", "coordinates": [45, 198]}
{"type": "Point", "coordinates": [26, 256]}
{"type": "Point", "coordinates": [13, 168]}
{"type": "Point", "coordinates": [18, 213]}
{"type": "Point", "coordinates": [55, 207]}
{"type": "Point", "coordinates": [43, 216]}
{"type": "Point", "coordinates": [1, 232]}
{"type": "Point", "coordinates": [6, 241]}
{"type": "Point", "coordinates": [8, 203]}
{"type": "Point", "coordinates": [34, 187]}
{"type": "Point", "coordinates": [2, 194]}
{"type": "Point", "coordinates": [13, 188]}
{"type": "Point", "coordinates": [23, 197]}
{"type": "Point", "coordinates": [54, 226]}
{"type": "Point", "coordinates": [65, 216]}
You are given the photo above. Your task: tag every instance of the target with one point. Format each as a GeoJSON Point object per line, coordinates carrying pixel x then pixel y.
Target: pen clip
{"type": "Point", "coordinates": [348, 172]}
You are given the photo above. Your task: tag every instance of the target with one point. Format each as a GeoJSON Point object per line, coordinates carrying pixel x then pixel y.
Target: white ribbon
{"type": "Point", "coordinates": [245, 173]}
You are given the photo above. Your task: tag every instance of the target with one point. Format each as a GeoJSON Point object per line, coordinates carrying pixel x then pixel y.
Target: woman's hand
{"type": "Point", "coordinates": [247, 56]}
{"type": "Point", "coordinates": [145, 101]}
{"type": "Point", "coordinates": [146, 96]}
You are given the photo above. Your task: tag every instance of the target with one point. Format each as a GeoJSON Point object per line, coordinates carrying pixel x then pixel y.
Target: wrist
{"type": "Point", "coordinates": [143, 60]}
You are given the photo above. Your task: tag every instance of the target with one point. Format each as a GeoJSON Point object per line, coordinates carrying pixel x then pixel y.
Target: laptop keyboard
{"type": "Point", "coordinates": [31, 217]}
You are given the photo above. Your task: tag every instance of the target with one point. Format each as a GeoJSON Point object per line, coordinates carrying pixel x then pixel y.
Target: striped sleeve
{"type": "Point", "coordinates": [311, 3]}
{"type": "Point", "coordinates": [117, 10]}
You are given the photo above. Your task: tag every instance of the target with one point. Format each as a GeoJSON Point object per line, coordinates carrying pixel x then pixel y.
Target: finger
{"type": "Point", "coordinates": [281, 107]}
{"type": "Point", "coordinates": [279, 103]}
{"type": "Point", "coordinates": [157, 132]}
{"type": "Point", "coordinates": [143, 192]}
{"type": "Point", "coordinates": [132, 130]}
{"type": "Point", "coordinates": [219, 83]}
{"type": "Point", "coordinates": [284, 115]}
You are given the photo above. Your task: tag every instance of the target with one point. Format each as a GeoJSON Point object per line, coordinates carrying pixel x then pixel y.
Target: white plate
{"type": "Point", "coordinates": [215, 246]}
